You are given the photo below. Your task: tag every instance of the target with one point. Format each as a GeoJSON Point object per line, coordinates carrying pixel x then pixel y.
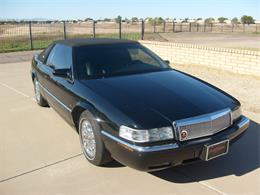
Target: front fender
{"type": "Point", "coordinates": [81, 107]}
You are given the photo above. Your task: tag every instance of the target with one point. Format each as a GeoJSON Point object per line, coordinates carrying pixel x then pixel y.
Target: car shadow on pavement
{"type": "Point", "coordinates": [113, 164]}
{"type": "Point", "coordinates": [243, 157]}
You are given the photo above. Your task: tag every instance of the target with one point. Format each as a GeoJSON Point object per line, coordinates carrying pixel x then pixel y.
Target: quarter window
{"type": "Point", "coordinates": [43, 55]}
{"type": "Point", "coordinates": [60, 57]}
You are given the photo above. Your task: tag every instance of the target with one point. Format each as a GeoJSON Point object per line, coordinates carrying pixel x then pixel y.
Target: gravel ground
{"type": "Point", "coordinates": [243, 87]}
{"type": "Point", "coordinates": [228, 40]}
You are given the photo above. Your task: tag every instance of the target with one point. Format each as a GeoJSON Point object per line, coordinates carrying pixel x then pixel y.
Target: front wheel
{"type": "Point", "coordinates": [90, 139]}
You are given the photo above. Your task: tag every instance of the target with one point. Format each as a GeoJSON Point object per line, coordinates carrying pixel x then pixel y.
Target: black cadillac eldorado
{"type": "Point", "coordinates": [128, 104]}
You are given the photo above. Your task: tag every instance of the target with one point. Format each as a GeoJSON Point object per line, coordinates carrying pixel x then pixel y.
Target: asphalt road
{"type": "Point", "coordinates": [40, 154]}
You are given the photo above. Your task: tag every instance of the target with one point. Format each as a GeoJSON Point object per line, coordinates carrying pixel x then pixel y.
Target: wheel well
{"type": "Point", "coordinates": [76, 115]}
{"type": "Point", "coordinates": [33, 77]}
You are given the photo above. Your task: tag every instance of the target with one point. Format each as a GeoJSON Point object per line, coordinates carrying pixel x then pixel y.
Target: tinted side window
{"type": "Point", "coordinates": [44, 54]}
{"type": "Point", "coordinates": [60, 57]}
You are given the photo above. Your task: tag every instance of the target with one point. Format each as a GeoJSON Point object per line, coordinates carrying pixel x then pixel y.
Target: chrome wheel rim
{"type": "Point", "coordinates": [88, 139]}
{"type": "Point", "coordinates": [37, 91]}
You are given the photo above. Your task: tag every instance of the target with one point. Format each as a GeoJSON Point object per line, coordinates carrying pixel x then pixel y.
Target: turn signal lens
{"type": "Point", "coordinates": [235, 114]}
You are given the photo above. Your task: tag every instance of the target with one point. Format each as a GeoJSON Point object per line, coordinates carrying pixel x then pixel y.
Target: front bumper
{"type": "Point", "coordinates": [148, 158]}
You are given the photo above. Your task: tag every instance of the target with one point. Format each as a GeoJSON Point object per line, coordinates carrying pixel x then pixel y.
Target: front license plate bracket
{"type": "Point", "coordinates": [215, 150]}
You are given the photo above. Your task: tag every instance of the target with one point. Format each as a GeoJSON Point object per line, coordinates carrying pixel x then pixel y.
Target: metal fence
{"type": "Point", "coordinates": [204, 27]}
{"type": "Point", "coordinates": [38, 35]}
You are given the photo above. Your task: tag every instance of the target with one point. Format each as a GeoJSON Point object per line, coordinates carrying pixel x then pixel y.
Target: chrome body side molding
{"type": "Point", "coordinates": [55, 98]}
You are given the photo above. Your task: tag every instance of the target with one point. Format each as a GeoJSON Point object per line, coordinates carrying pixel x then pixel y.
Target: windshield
{"type": "Point", "coordinates": [117, 59]}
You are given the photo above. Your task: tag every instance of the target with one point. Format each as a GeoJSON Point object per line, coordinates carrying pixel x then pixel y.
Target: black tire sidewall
{"type": "Point", "coordinates": [42, 102]}
{"type": "Point", "coordinates": [101, 152]}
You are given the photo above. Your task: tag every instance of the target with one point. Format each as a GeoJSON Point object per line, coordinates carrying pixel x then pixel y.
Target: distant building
{"type": "Point", "coordinates": [191, 20]}
{"type": "Point", "coordinates": [147, 20]}
{"type": "Point", "coordinates": [178, 20]}
{"type": "Point", "coordinates": [113, 20]}
{"type": "Point", "coordinates": [201, 21]}
{"type": "Point", "coordinates": [227, 21]}
{"type": "Point", "coordinates": [169, 20]}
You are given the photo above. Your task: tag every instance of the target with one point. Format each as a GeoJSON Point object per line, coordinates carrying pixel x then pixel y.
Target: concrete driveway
{"type": "Point", "coordinates": [40, 154]}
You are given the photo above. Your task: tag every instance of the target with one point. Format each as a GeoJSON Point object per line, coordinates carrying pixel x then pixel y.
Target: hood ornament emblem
{"type": "Point", "coordinates": [183, 134]}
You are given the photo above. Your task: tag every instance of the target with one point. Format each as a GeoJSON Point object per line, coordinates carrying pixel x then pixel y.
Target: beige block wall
{"type": "Point", "coordinates": [235, 60]}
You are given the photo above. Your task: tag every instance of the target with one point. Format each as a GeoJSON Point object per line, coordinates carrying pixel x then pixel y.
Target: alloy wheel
{"type": "Point", "coordinates": [88, 139]}
{"type": "Point", "coordinates": [37, 91]}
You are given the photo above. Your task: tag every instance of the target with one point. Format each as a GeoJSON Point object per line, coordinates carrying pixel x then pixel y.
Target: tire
{"type": "Point", "coordinates": [90, 140]}
{"type": "Point", "coordinates": [38, 96]}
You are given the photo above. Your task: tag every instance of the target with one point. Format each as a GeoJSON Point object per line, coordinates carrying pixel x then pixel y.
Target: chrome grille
{"type": "Point", "coordinates": [203, 125]}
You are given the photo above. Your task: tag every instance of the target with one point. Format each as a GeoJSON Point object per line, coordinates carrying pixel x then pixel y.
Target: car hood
{"type": "Point", "coordinates": [151, 99]}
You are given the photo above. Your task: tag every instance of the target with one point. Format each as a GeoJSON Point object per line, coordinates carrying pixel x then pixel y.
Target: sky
{"type": "Point", "coordinates": [81, 9]}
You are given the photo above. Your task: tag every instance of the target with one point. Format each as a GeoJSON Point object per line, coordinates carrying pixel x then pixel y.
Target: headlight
{"type": "Point", "coordinates": [235, 114]}
{"type": "Point", "coordinates": [151, 135]}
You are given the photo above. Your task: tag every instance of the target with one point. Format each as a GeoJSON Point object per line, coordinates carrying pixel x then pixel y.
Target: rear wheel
{"type": "Point", "coordinates": [38, 96]}
{"type": "Point", "coordinates": [90, 139]}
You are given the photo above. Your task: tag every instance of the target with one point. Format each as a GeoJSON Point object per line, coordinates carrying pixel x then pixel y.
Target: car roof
{"type": "Point", "coordinates": [93, 41]}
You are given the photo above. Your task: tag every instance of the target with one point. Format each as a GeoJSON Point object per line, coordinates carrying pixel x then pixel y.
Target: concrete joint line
{"type": "Point", "coordinates": [40, 168]}
{"type": "Point", "coordinates": [14, 90]}
{"type": "Point", "coordinates": [203, 183]}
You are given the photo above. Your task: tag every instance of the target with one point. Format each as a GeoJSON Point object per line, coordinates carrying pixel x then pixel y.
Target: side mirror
{"type": "Point", "coordinates": [36, 56]}
{"type": "Point", "coordinates": [61, 72]}
{"type": "Point", "coordinates": [167, 62]}
{"type": "Point", "coordinates": [51, 66]}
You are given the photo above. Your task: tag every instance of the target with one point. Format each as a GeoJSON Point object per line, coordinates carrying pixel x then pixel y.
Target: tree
{"type": "Point", "coordinates": [222, 19]}
{"type": "Point", "coordinates": [185, 20]}
{"type": "Point", "coordinates": [209, 20]}
{"type": "Point", "coordinates": [127, 20]}
{"type": "Point", "coordinates": [88, 19]}
{"type": "Point", "coordinates": [234, 21]}
{"type": "Point", "coordinates": [118, 19]}
{"type": "Point", "coordinates": [134, 19]}
{"type": "Point", "coordinates": [159, 20]}
{"type": "Point", "coordinates": [107, 20]}
{"type": "Point", "coordinates": [150, 20]}
{"type": "Point", "coordinates": [247, 19]}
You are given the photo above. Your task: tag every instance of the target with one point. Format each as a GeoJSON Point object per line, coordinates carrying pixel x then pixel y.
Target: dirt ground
{"type": "Point", "coordinates": [243, 87]}
{"type": "Point", "coordinates": [228, 40]}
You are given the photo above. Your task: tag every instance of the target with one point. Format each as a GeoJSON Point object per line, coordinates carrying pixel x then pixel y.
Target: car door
{"type": "Point", "coordinates": [40, 68]}
{"type": "Point", "coordinates": [59, 87]}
